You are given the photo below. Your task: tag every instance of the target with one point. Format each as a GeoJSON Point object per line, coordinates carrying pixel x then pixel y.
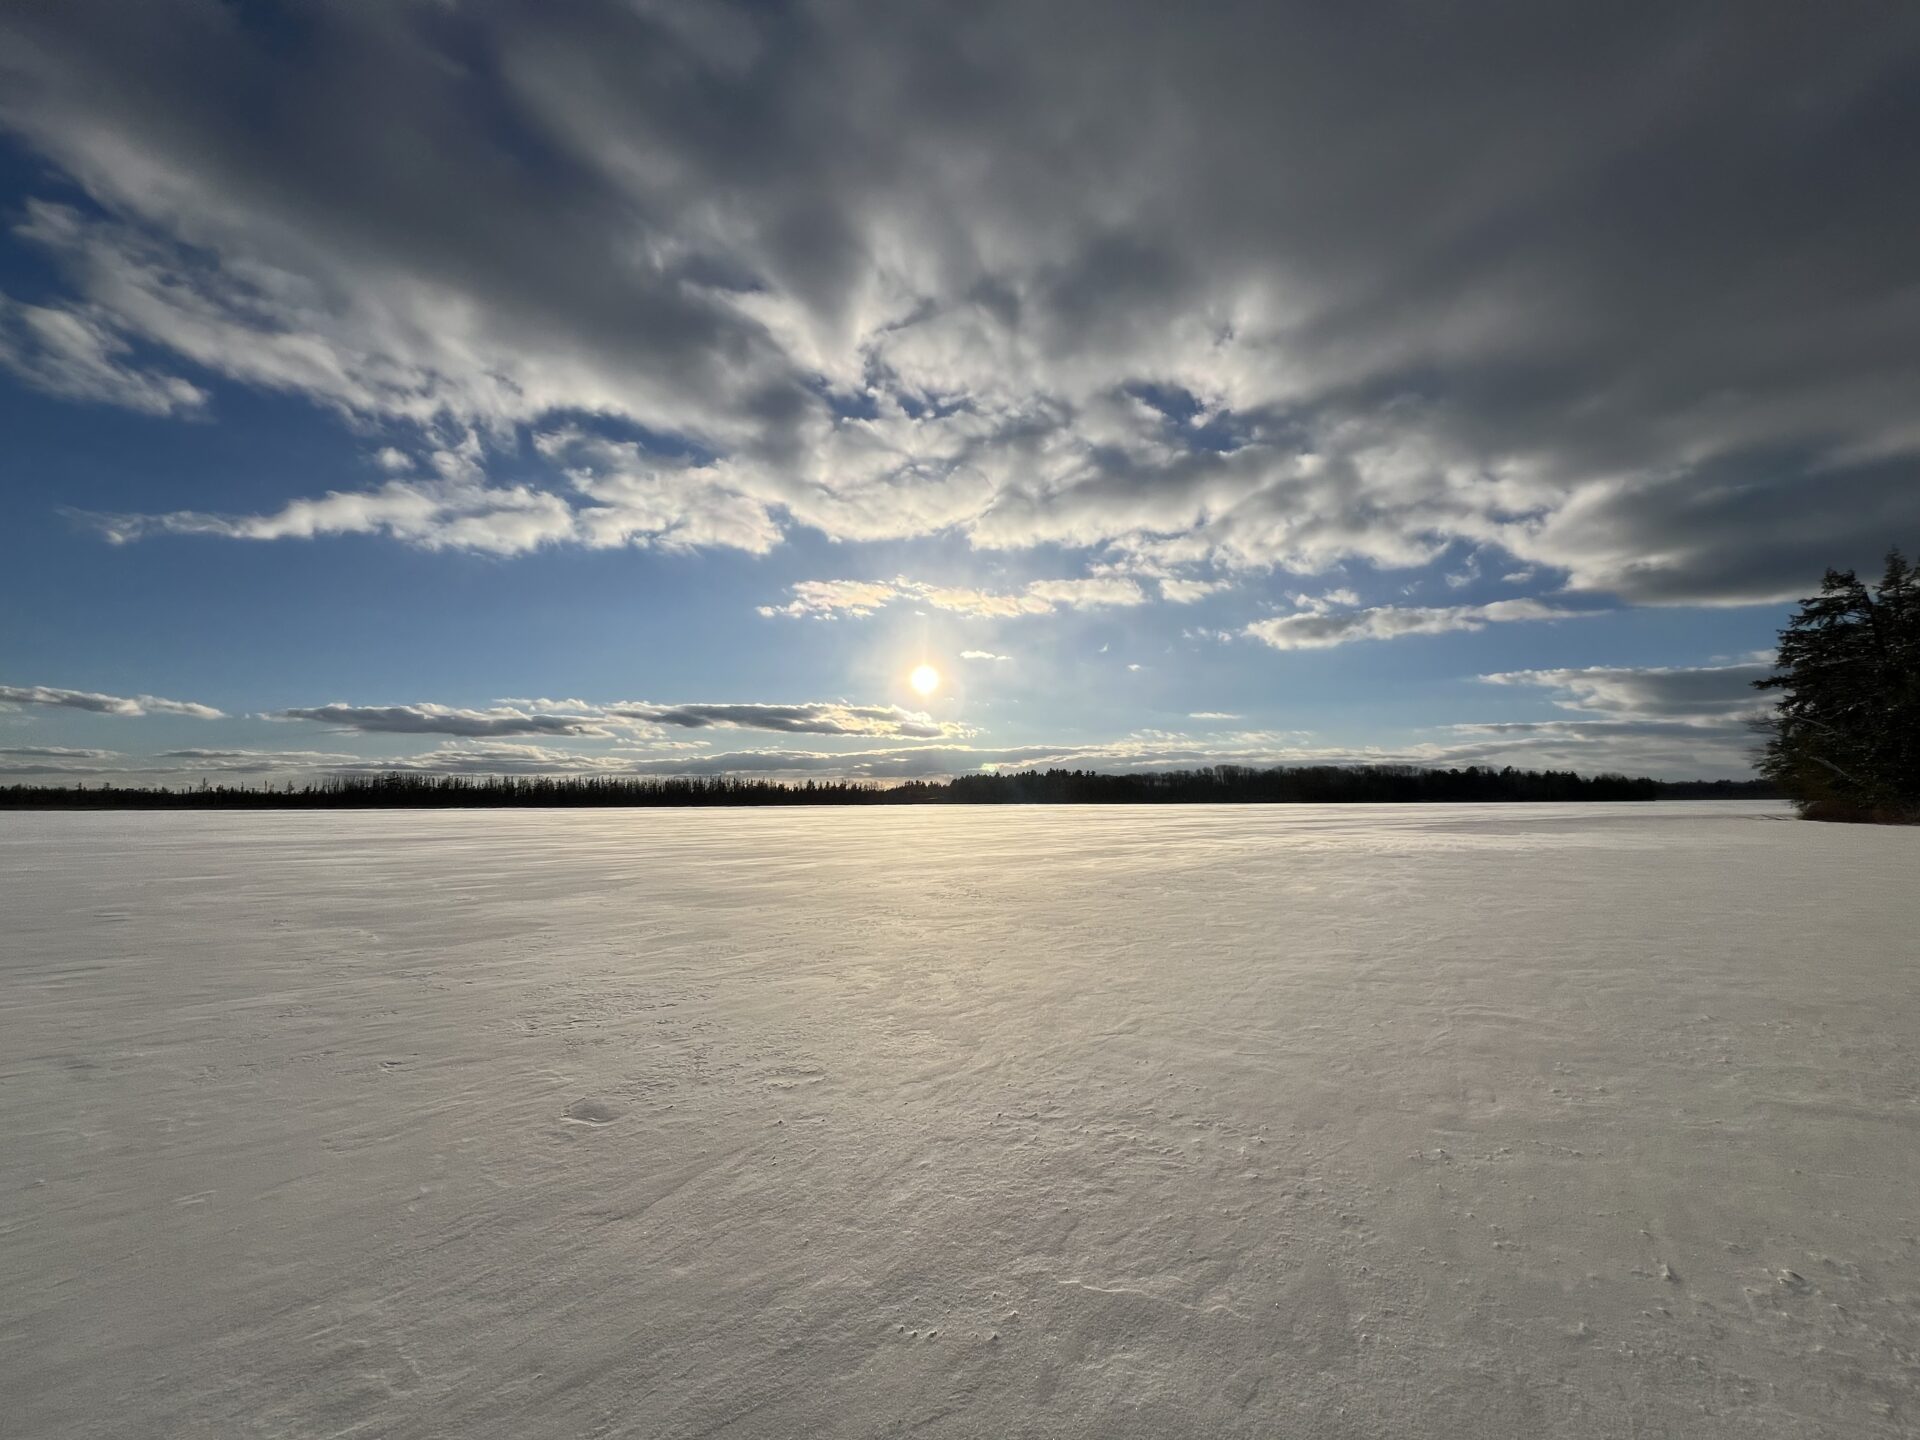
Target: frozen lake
{"type": "Point", "coordinates": [1502, 1121]}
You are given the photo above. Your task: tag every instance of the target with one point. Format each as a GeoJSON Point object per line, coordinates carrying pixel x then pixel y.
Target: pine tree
{"type": "Point", "coordinates": [1844, 741]}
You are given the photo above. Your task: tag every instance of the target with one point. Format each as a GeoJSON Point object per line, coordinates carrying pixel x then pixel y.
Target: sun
{"type": "Point", "coordinates": [925, 679]}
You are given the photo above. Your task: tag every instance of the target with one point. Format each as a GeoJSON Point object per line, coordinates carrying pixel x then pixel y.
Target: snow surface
{"type": "Point", "coordinates": [1350, 1121]}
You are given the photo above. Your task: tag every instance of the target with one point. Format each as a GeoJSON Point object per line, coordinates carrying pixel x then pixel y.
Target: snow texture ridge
{"type": "Point", "coordinates": [1503, 1121]}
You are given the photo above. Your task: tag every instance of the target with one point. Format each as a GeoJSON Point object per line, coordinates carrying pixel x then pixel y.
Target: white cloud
{"type": "Point", "coordinates": [1088, 593]}
{"type": "Point", "coordinates": [1182, 590]}
{"type": "Point", "coordinates": [433, 514]}
{"type": "Point", "coordinates": [103, 704]}
{"type": "Point", "coordinates": [982, 655]}
{"type": "Point", "coordinates": [827, 599]}
{"type": "Point", "coordinates": [615, 497]}
{"type": "Point", "coordinates": [624, 496]}
{"type": "Point", "coordinates": [77, 353]}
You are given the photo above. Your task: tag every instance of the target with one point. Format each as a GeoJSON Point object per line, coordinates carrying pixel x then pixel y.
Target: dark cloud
{"type": "Point", "coordinates": [813, 718]}
{"type": "Point", "coordinates": [441, 720]}
{"type": "Point", "coordinates": [25, 760]}
{"type": "Point", "coordinates": [1321, 626]}
{"type": "Point", "coordinates": [168, 766]}
{"type": "Point", "coordinates": [1627, 290]}
{"type": "Point", "coordinates": [1699, 695]}
{"type": "Point", "coordinates": [579, 718]}
{"type": "Point", "coordinates": [1664, 720]}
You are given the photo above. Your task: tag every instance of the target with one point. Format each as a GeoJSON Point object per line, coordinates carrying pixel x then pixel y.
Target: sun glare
{"type": "Point", "coordinates": [924, 679]}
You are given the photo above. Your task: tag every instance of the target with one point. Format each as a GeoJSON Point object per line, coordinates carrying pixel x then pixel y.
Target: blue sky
{"type": "Point", "coordinates": [650, 389]}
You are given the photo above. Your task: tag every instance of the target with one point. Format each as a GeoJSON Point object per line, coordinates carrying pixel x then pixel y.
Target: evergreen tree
{"type": "Point", "coordinates": [1844, 741]}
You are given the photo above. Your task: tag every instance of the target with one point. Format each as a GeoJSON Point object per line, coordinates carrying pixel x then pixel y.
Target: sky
{"type": "Point", "coordinates": [650, 388]}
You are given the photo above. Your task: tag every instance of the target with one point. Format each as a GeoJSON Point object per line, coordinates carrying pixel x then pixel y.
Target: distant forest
{"type": "Point", "coordinates": [1223, 784]}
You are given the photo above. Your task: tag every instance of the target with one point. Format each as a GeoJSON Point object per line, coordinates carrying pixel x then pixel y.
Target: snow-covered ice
{"type": "Point", "coordinates": [1488, 1121]}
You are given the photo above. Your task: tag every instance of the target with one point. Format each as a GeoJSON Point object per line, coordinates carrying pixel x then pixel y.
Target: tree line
{"type": "Point", "coordinates": [1216, 784]}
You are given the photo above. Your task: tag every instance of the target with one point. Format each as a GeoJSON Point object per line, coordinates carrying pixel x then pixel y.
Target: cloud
{"type": "Point", "coordinates": [616, 497]}
{"type": "Point", "coordinates": [936, 761]}
{"type": "Point", "coordinates": [1671, 748]}
{"type": "Point", "coordinates": [52, 759]}
{"type": "Point", "coordinates": [1088, 593]}
{"type": "Point", "coordinates": [77, 354]}
{"type": "Point", "coordinates": [829, 599]}
{"type": "Point", "coordinates": [103, 704]}
{"type": "Point", "coordinates": [1181, 590]}
{"type": "Point", "coordinates": [579, 718]}
{"type": "Point", "coordinates": [982, 655]}
{"type": "Point", "coordinates": [498, 759]}
{"type": "Point", "coordinates": [1320, 629]}
{"type": "Point", "coordinates": [1214, 715]}
{"type": "Point", "coordinates": [1341, 598]}
{"type": "Point", "coordinates": [242, 762]}
{"type": "Point", "coordinates": [625, 496]}
{"type": "Point", "coordinates": [1623, 296]}
{"type": "Point", "coordinates": [1680, 752]}
{"type": "Point", "coordinates": [429, 719]}
{"type": "Point", "coordinates": [1686, 756]}
{"type": "Point", "coordinates": [435, 515]}
{"type": "Point", "coordinates": [167, 765]}
{"type": "Point", "coordinates": [1661, 720]}
{"type": "Point", "coordinates": [1702, 695]}
{"type": "Point", "coordinates": [73, 769]}
{"type": "Point", "coordinates": [816, 718]}
{"type": "Point", "coordinates": [1653, 748]}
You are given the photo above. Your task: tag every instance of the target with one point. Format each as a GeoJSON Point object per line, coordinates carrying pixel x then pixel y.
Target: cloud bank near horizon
{"type": "Point", "coordinates": [1670, 721]}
